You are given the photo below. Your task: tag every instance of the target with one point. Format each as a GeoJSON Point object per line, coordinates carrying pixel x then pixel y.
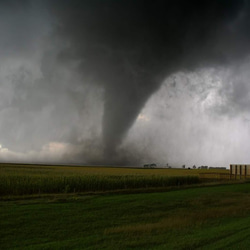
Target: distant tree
{"type": "Point", "coordinates": [183, 166]}
{"type": "Point", "coordinates": [152, 165]}
{"type": "Point", "coordinates": [194, 167]}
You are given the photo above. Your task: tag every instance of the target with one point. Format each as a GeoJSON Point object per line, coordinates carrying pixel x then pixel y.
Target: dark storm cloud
{"type": "Point", "coordinates": [129, 47]}
{"type": "Point", "coordinates": [21, 25]}
{"type": "Point", "coordinates": [40, 101]}
{"type": "Point", "coordinates": [80, 72]}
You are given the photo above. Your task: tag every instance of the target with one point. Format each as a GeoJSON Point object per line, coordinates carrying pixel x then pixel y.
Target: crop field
{"type": "Point", "coordinates": [69, 207]}
{"type": "Point", "coordinates": [17, 179]}
{"type": "Point", "coordinates": [20, 169]}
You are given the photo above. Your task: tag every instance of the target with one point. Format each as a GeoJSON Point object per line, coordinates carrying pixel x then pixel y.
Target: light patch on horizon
{"type": "Point", "coordinates": [55, 148]}
{"type": "Point", "coordinates": [143, 117]}
{"type": "Point", "coordinates": [3, 150]}
{"type": "Point", "coordinates": [54, 151]}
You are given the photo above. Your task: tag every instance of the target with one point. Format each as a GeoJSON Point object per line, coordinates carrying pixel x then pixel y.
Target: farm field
{"type": "Point", "coordinates": [33, 169]}
{"type": "Point", "coordinates": [215, 217]}
{"type": "Point", "coordinates": [69, 207]}
{"type": "Point", "coordinates": [17, 179]}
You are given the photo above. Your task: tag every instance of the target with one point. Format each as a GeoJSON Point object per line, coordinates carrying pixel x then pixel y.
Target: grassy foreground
{"type": "Point", "coordinates": [215, 217]}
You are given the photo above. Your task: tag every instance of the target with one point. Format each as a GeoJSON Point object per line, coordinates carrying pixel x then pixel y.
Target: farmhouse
{"type": "Point", "coordinates": [203, 167]}
{"type": "Point", "coordinates": [152, 165]}
{"type": "Point", "coordinates": [224, 168]}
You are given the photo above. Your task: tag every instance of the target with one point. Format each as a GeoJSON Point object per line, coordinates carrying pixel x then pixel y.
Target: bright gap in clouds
{"type": "Point", "coordinates": [142, 117]}
{"type": "Point", "coordinates": [52, 151]}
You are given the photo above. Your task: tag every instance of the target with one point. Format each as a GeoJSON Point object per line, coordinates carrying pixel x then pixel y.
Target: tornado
{"type": "Point", "coordinates": [130, 46]}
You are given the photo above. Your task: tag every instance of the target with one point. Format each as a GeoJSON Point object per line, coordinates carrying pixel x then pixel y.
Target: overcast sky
{"type": "Point", "coordinates": [125, 82]}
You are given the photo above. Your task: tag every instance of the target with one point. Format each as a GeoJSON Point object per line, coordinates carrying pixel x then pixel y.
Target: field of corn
{"type": "Point", "coordinates": [18, 179]}
{"type": "Point", "coordinates": [64, 207]}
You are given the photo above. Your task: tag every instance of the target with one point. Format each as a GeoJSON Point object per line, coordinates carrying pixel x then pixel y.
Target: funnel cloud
{"type": "Point", "coordinates": [78, 78]}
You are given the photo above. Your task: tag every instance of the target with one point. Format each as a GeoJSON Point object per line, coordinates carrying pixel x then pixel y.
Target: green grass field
{"type": "Point", "coordinates": [194, 217]}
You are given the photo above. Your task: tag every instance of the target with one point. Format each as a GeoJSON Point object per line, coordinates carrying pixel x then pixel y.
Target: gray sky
{"type": "Point", "coordinates": [125, 82]}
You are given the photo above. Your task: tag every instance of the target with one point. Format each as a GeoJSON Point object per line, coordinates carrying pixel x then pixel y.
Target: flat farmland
{"type": "Point", "coordinates": [33, 169]}
{"type": "Point", "coordinates": [21, 179]}
{"type": "Point", "coordinates": [83, 207]}
{"type": "Point", "coordinates": [17, 179]}
{"type": "Point", "coordinates": [211, 217]}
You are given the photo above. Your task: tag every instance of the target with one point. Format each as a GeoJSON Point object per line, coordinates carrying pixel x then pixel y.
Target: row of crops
{"type": "Point", "coordinates": [26, 185]}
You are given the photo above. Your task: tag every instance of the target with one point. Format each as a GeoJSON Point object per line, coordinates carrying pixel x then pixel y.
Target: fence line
{"type": "Point", "coordinates": [214, 175]}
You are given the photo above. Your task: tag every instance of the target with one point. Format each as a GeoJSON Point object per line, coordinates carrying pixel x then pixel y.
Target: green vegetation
{"type": "Point", "coordinates": [25, 185]}
{"type": "Point", "coordinates": [20, 179]}
{"type": "Point", "coordinates": [50, 207]}
{"type": "Point", "coordinates": [215, 217]}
